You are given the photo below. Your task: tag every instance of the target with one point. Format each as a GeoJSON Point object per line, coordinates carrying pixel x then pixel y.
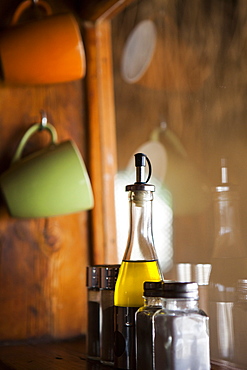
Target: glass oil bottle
{"type": "Point", "coordinates": [139, 264]}
{"type": "Point", "coordinates": [229, 264]}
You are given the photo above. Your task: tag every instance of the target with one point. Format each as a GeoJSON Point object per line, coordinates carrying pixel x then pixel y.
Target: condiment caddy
{"type": "Point", "coordinates": [148, 315]}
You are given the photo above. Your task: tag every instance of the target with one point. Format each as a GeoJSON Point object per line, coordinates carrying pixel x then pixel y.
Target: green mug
{"type": "Point", "coordinates": [49, 182]}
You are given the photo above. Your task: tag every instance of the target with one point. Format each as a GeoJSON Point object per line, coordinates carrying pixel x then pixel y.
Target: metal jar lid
{"type": "Point", "coordinates": [153, 288]}
{"type": "Point", "coordinates": [109, 274]}
{"type": "Point", "coordinates": [242, 290]}
{"type": "Point", "coordinates": [93, 276]}
{"type": "Point", "coordinates": [180, 290]}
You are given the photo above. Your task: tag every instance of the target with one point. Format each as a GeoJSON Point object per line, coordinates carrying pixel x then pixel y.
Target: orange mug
{"type": "Point", "coordinates": [43, 51]}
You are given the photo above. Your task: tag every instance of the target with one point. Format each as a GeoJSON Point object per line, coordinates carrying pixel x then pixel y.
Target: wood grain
{"type": "Point", "coordinates": [102, 140]}
{"type": "Point", "coordinates": [42, 261]}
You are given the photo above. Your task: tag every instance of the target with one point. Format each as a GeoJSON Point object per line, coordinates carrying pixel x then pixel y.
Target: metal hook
{"type": "Point", "coordinates": [43, 123]}
{"type": "Point", "coordinates": [163, 126]}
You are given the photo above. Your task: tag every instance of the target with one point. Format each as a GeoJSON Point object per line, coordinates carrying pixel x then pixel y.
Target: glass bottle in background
{"type": "Point", "coordinates": [108, 279]}
{"type": "Point", "coordinates": [180, 330]}
{"type": "Point", "coordinates": [144, 345]}
{"type": "Point", "coordinates": [93, 315]}
{"type": "Point", "coordinates": [240, 324]}
{"type": "Point", "coordinates": [228, 265]}
{"type": "Point", "coordinates": [139, 264]}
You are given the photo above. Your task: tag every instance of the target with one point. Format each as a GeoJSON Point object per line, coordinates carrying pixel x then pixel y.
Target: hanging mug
{"type": "Point", "coordinates": [155, 57]}
{"type": "Point", "coordinates": [42, 51]}
{"type": "Point", "coordinates": [49, 182]}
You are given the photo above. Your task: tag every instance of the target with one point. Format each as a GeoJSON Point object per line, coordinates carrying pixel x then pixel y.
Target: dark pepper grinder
{"type": "Point", "coordinates": [109, 275]}
{"type": "Point", "coordinates": [93, 305]}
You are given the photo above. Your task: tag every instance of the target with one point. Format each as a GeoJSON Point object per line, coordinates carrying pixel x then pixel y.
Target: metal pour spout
{"type": "Point", "coordinates": [141, 181]}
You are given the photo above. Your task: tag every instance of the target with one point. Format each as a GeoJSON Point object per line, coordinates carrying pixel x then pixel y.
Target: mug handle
{"type": "Point", "coordinates": [27, 4]}
{"type": "Point", "coordinates": [36, 127]}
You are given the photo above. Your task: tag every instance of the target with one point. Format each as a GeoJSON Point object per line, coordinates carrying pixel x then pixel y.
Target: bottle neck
{"type": "Point", "coordinates": [140, 244]}
{"type": "Point", "coordinates": [228, 239]}
{"type": "Point", "coordinates": [226, 209]}
{"type": "Point", "coordinates": [175, 304]}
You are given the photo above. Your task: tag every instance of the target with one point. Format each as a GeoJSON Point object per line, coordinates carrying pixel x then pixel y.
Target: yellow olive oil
{"type": "Point", "coordinates": [129, 286]}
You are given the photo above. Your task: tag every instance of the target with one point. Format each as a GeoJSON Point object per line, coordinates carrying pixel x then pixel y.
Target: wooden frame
{"type": "Point", "coordinates": [101, 121]}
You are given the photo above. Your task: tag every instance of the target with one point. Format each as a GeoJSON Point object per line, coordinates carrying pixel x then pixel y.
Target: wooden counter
{"type": "Point", "coordinates": [64, 355]}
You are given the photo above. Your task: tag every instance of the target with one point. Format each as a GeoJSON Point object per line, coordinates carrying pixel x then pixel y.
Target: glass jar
{"type": "Point", "coordinates": [144, 345]}
{"type": "Point", "coordinates": [240, 324]}
{"type": "Point", "coordinates": [180, 330]}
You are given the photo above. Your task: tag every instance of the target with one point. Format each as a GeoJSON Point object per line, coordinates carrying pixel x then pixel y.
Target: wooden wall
{"type": "Point", "coordinates": [42, 261]}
